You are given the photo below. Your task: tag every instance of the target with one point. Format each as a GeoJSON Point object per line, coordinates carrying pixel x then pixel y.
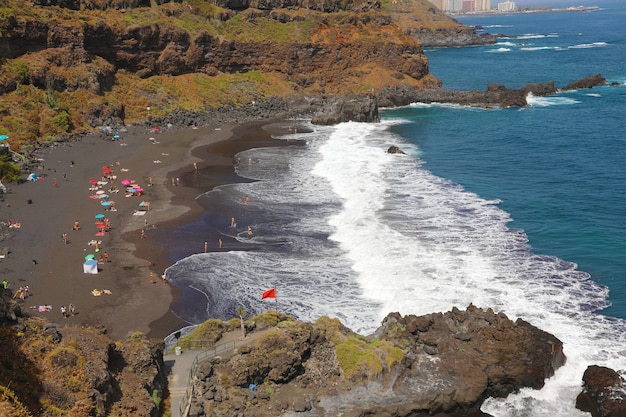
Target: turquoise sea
{"type": "Point", "coordinates": [520, 210]}
{"type": "Point", "coordinates": [559, 166]}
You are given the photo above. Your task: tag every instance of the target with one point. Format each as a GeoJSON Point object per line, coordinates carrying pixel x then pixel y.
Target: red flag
{"type": "Point", "coordinates": [271, 293]}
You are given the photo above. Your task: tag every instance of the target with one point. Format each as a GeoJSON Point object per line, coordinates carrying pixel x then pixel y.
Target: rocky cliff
{"type": "Point", "coordinates": [413, 366]}
{"type": "Point", "coordinates": [49, 370]}
{"type": "Point", "coordinates": [68, 66]}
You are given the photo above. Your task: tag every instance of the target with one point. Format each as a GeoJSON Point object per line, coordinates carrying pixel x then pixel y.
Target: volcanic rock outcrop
{"type": "Point", "coordinates": [412, 366]}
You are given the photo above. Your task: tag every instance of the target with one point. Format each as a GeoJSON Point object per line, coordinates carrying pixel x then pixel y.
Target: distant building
{"type": "Point", "coordinates": [507, 6]}
{"type": "Point", "coordinates": [462, 6]}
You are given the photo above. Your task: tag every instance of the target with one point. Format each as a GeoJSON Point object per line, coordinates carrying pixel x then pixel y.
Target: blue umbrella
{"type": "Point", "coordinates": [3, 137]}
{"type": "Point", "coordinates": [99, 216]}
{"type": "Point", "coordinates": [106, 203]}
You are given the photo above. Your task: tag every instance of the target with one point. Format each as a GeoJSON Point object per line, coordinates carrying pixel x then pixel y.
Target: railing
{"type": "Point", "coordinates": [185, 402]}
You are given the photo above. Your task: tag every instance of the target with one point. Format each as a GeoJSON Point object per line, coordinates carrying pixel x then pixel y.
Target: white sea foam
{"type": "Point", "coordinates": [499, 50]}
{"type": "Point", "coordinates": [420, 244]}
{"type": "Point", "coordinates": [589, 45]}
{"type": "Point", "coordinates": [535, 101]}
{"type": "Point", "coordinates": [364, 233]}
{"type": "Point", "coordinates": [536, 48]}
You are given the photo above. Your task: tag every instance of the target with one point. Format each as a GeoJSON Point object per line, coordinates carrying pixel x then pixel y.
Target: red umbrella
{"type": "Point", "coordinates": [93, 181]}
{"type": "Point", "coordinates": [106, 166]}
{"type": "Point", "coordinates": [107, 171]}
{"type": "Point", "coordinates": [126, 181]}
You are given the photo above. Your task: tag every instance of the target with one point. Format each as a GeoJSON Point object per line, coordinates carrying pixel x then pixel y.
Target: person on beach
{"type": "Point", "coordinates": [164, 278]}
{"type": "Point", "coordinates": [206, 247]}
{"type": "Point", "coordinates": [64, 237]}
{"type": "Point", "coordinates": [5, 284]}
{"type": "Point", "coordinates": [219, 241]}
{"type": "Point", "coordinates": [64, 312]}
{"type": "Point", "coordinates": [151, 278]}
{"type": "Point", "coordinates": [76, 226]}
{"type": "Point", "coordinates": [249, 231]}
{"type": "Point", "coordinates": [55, 183]}
{"type": "Point", "coordinates": [105, 257]}
{"type": "Point", "coordinates": [72, 309]}
{"type": "Point", "coordinates": [143, 233]}
{"type": "Point", "coordinates": [232, 222]}
{"type": "Point", "coordinates": [195, 166]}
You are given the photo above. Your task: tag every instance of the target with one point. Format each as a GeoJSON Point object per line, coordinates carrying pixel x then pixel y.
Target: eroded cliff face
{"type": "Point", "coordinates": [195, 55]}
{"type": "Point", "coordinates": [46, 370]}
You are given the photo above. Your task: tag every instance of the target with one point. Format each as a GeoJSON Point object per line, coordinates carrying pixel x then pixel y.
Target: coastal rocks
{"type": "Point", "coordinates": [349, 109]}
{"type": "Point", "coordinates": [587, 82]}
{"type": "Point", "coordinates": [445, 363]}
{"type": "Point", "coordinates": [80, 371]}
{"type": "Point", "coordinates": [395, 149]}
{"type": "Point", "coordinates": [603, 394]}
{"type": "Point", "coordinates": [9, 309]}
{"type": "Point", "coordinates": [495, 95]}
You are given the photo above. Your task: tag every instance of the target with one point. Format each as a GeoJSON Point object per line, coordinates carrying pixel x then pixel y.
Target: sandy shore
{"type": "Point", "coordinates": [37, 256]}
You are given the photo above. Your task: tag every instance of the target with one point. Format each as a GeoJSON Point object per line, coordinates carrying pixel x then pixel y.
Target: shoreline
{"type": "Point", "coordinates": [215, 167]}
{"type": "Point", "coordinates": [35, 255]}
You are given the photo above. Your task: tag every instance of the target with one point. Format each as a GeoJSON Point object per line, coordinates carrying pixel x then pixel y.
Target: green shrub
{"type": "Point", "coordinates": [356, 356]}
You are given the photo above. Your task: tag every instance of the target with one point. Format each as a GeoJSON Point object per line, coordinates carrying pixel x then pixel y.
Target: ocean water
{"type": "Point", "coordinates": [521, 210]}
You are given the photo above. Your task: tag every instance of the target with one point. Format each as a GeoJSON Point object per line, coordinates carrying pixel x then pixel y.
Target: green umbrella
{"type": "Point", "coordinates": [90, 257]}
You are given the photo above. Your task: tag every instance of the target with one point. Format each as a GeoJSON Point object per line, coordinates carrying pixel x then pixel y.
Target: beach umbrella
{"type": "Point", "coordinates": [107, 171]}
{"type": "Point", "coordinates": [90, 257]}
{"type": "Point", "coordinates": [126, 181]}
{"type": "Point", "coordinates": [106, 166]}
{"type": "Point", "coordinates": [3, 137]}
{"type": "Point", "coordinates": [105, 203]}
{"type": "Point", "coordinates": [99, 216]}
{"type": "Point", "coordinates": [103, 196]}
{"type": "Point", "coordinates": [93, 181]}
{"type": "Point", "coordinates": [100, 192]}
{"type": "Point", "coordinates": [139, 189]}
{"type": "Point", "coordinates": [116, 136]}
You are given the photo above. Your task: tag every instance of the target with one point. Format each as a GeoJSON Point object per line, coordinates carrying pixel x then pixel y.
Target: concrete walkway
{"type": "Point", "coordinates": [179, 366]}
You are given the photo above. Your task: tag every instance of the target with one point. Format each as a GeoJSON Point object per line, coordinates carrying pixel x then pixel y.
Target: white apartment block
{"type": "Point", "coordinates": [507, 6]}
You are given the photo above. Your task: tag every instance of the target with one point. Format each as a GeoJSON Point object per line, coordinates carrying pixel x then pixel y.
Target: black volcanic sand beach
{"type": "Point", "coordinates": [35, 254]}
{"type": "Point", "coordinates": [214, 168]}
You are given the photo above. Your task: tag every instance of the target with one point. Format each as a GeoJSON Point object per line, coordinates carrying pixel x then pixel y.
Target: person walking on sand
{"type": "Point", "coordinates": [72, 309]}
{"type": "Point", "coordinates": [206, 247]}
{"type": "Point", "coordinates": [55, 183]}
{"type": "Point", "coordinates": [64, 312]}
{"type": "Point", "coordinates": [151, 278]}
{"type": "Point", "coordinates": [105, 257]}
{"type": "Point", "coordinates": [143, 233]}
{"type": "Point", "coordinates": [64, 236]}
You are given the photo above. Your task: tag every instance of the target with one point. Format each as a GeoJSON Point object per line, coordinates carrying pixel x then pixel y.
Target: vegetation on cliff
{"type": "Point", "coordinates": [75, 371]}
{"type": "Point", "coordinates": [69, 66]}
